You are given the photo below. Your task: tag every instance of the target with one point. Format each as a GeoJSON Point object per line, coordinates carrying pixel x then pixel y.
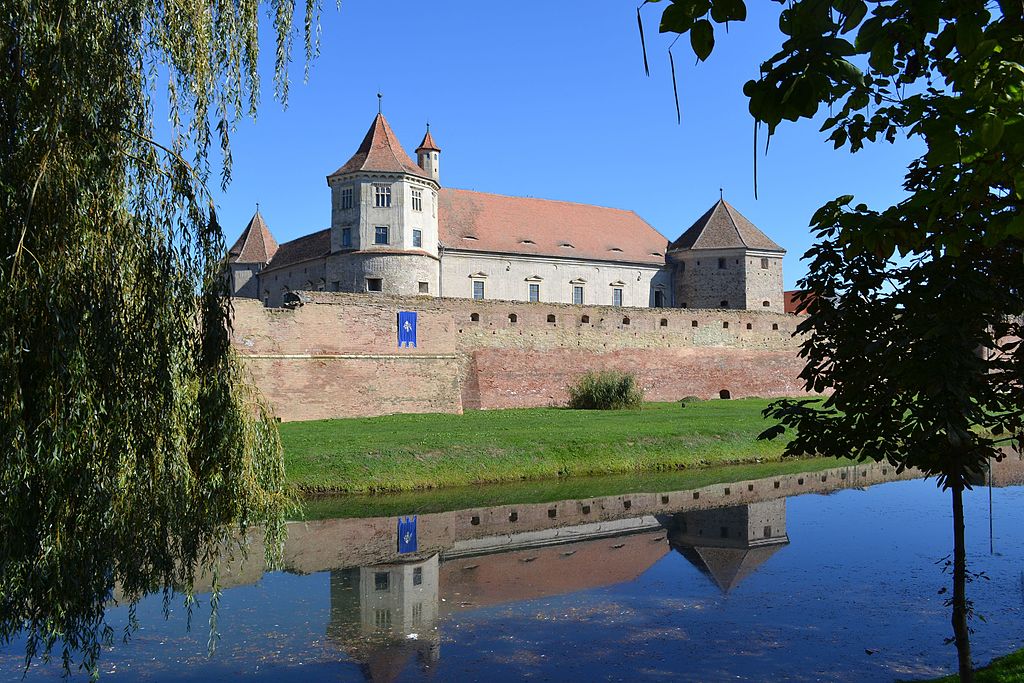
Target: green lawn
{"type": "Point", "coordinates": [407, 452]}
{"type": "Point", "coordinates": [1008, 669]}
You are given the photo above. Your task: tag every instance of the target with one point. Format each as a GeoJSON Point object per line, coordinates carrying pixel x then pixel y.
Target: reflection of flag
{"type": "Point", "coordinates": [407, 328]}
{"type": "Point", "coordinates": [407, 534]}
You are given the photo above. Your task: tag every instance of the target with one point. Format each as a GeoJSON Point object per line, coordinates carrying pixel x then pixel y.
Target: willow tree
{"type": "Point", "coordinates": [914, 322]}
{"type": "Point", "coordinates": [133, 451]}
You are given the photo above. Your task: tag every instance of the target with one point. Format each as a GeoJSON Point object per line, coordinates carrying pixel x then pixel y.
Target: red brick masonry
{"type": "Point", "coordinates": [338, 355]}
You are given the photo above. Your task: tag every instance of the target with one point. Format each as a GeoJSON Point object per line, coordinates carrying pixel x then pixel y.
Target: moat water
{"type": "Point", "coordinates": [750, 580]}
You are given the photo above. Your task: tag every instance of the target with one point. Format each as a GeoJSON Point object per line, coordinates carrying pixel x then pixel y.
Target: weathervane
{"type": "Point", "coordinates": [380, 103]}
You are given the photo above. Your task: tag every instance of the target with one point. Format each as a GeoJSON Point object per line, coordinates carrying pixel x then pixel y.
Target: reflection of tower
{"type": "Point", "coordinates": [375, 610]}
{"type": "Point", "coordinates": [729, 544]}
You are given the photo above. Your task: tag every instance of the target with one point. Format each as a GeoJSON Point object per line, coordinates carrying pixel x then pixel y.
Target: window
{"type": "Point", "coordinates": [513, 318]}
{"type": "Point", "coordinates": [625, 321]}
{"type": "Point", "coordinates": [381, 581]}
{"type": "Point", "coordinates": [381, 236]}
{"type": "Point", "coordinates": [617, 296]}
{"type": "Point", "coordinates": [577, 295]}
{"type": "Point", "coordinates": [749, 326]}
{"type": "Point", "coordinates": [424, 288]}
{"type": "Point", "coordinates": [417, 576]}
{"type": "Point", "coordinates": [693, 323]}
{"type": "Point", "coordinates": [346, 197]}
{"type": "Point", "coordinates": [417, 200]}
{"type": "Point", "coordinates": [478, 289]}
{"type": "Point", "coordinates": [721, 264]}
{"type": "Point", "coordinates": [724, 304]}
{"type": "Point", "coordinates": [551, 318]}
{"type": "Point", "coordinates": [417, 614]}
{"type": "Point", "coordinates": [767, 532]}
{"type": "Point", "coordinates": [764, 263]}
{"type": "Point", "coordinates": [585, 320]}
{"type": "Point", "coordinates": [417, 237]}
{"type": "Point", "coordinates": [775, 326]}
{"type": "Point", "coordinates": [474, 317]}
{"type": "Point", "coordinates": [534, 292]}
{"type": "Point", "coordinates": [382, 196]}
{"type": "Point", "coordinates": [664, 322]}
{"type": "Point", "coordinates": [659, 298]}
{"type": "Point", "coordinates": [382, 618]}
{"type": "Point", "coordinates": [346, 238]}
{"type": "Point", "coordinates": [725, 325]}
{"type": "Point", "coordinates": [766, 304]}
{"type": "Point", "coordinates": [374, 284]}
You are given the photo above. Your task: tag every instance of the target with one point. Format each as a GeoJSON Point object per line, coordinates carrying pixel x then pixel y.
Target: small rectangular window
{"type": "Point", "coordinates": [382, 196]}
{"type": "Point", "coordinates": [374, 284]}
{"type": "Point", "coordinates": [764, 263]}
{"type": "Point", "coordinates": [534, 292]}
{"type": "Point", "coordinates": [381, 236]}
{"type": "Point", "coordinates": [381, 581]}
{"type": "Point", "coordinates": [346, 197]}
{"type": "Point", "coordinates": [346, 237]}
{"type": "Point", "coordinates": [417, 200]}
{"type": "Point", "coordinates": [478, 289]}
{"type": "Point", "coordinates": [721, 264]}
{"type": "Point", "coordinates": [382, 618]}
{"type": "Point", "coordinates": [577, 295]}
{"type": "Point", "coordinates": [617, 297]}
{"type": "Point", "coordinates": [417, 576]}
{"type": "Point", "coordinates": [417, 614]}
{"type": "Point", "coordinates": [424, 288]}
{"type": "Point", "coordinates": [417, 237]}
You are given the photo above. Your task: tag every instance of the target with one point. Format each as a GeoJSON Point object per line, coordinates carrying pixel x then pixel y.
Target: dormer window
{"type": "Point", "coordinates": [656, 253]}
{"type": "Point", "coordinates": [382, 196]}
{"type": "Point", "coordinates": [615, 249]}
{"type": "Point", "coordinates": [469, 237]}
{"type": "Point", "coordinates": [527, 242]}
{"type": "Point", "coordinates": [566, 245]}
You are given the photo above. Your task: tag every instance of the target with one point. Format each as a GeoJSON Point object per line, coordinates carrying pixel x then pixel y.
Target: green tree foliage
{"type": "Point", "coordinates": [606, 390]}
{"type": "Point", "coordinates": [133, 453]}
{"type": "Point", "coordinates": [916, 311]}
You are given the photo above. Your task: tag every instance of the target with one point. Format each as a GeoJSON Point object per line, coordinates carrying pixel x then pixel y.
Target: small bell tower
{"type": "Point", "coordinates": [428, 156]}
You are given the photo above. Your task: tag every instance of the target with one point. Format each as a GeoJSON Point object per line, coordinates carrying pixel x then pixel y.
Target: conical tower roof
{"type": "Point", "coordinates": [723, 227]}
{"type": "Point", "coordinates": [381, 151]}
{"type": "Point", "coordinates": [428, 144]}
{"type": "Point", "coordinates": [255, 244]}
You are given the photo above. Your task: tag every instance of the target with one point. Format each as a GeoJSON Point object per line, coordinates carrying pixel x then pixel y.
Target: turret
{"type": "Point", "coordinates": [428, 156]}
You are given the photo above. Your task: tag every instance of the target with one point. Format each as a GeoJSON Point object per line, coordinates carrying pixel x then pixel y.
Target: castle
{"type": "Point", "coordinates": [396, 231]}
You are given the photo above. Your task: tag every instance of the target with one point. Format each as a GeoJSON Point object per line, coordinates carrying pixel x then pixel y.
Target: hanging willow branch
{"type": "Point", "coordinates": [135, 451]}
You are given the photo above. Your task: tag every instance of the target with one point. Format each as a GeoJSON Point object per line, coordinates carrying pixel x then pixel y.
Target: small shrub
{"type": "Point", "coordinates": [606, 390]}
{"type": "Point", "coordinates": [688, 400]}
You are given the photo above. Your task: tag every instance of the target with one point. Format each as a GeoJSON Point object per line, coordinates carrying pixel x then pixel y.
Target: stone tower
{"type": "Point", "coordinates": [384, 219]}
{"type": "Point", "coordinates": [724, 261]}
{"type": "Point", "coordinates": [249, 255]}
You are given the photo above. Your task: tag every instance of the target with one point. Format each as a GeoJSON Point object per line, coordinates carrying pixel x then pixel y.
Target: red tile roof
{"type": "Point", "coordinates": [794, 298]}
{"type": "Point", "coordinates": [255, 244]}
{"type": "Point", "coordinates": [476, 221]}
{"type": "Point", "coordinates": [723, 227]}
{"type": "Point", "coordinates": [381, 151]}
{"type": "Point", "coordinates": [314, 245]}
{"type": "Point", "coordinates": [428, 143]}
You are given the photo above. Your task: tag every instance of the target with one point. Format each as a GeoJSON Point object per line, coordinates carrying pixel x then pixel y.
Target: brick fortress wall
{"type": "Point", "coordinates": [338, 356]}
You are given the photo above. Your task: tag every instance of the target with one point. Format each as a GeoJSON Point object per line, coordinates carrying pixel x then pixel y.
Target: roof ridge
{"type": "Point", "coordinates": [735, 226]}
{"type": "Point", "coordinates": [544, 199]}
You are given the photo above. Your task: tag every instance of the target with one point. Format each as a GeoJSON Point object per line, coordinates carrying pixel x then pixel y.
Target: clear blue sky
{"type": "Point", "coordinates": [547, 100]}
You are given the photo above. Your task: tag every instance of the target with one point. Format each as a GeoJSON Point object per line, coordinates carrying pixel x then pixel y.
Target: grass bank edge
{"type": "Point", "coordinates": [408, 452]}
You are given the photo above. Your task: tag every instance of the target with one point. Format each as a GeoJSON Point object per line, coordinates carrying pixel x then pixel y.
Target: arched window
{"type": "Point", "coordinates": [766, 304]}
{"type": "Point", "coordinates": [775, 326]}
{"type": "Point", "coordinates": [513, 318]}
{"type": "Point", "coordinates": [725, 325]}
{"type": "Point", "coordinates": [749, 326]}
{"type": "Point", "coordinates": [474, 317]}
{"type": "Point", "coordinates": [724, 394]}
{"type": "Point", "coordinates": [551, 317]}
{"type": "Point", "coordinates": [625, 321]}
{"type": "Point", "coordinates": [664, 322]}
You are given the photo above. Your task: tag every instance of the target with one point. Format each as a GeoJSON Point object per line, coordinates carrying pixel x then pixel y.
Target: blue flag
{"type": "Point", "coordinates": [406, 328]}
{"type": "Point", "coordinates": [407, 534]}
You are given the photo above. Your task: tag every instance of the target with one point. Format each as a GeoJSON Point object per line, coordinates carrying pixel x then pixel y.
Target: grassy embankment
{"type": "Point", "coordinates": [407, 452]}
{"type": "Point", "coordinates": [1002, 670]}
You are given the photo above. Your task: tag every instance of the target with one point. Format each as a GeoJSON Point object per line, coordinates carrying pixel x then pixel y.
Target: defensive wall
{"type": "Point", "coordinates": [337, 355]}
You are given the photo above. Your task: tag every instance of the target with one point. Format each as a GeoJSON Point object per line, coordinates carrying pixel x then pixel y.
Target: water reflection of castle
{"type": "Point", "coordinates": [385, 616]}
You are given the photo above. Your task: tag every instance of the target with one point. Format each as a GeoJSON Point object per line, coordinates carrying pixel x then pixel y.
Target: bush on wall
{"type": "Point", "coordinates": [606, 390]}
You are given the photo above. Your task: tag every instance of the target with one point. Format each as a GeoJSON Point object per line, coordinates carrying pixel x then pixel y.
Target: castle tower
{"type": "Point", "coordinates": [428, 156]}
{"type": "Point", "coordinates": [249, 255]}
{"type": "Point", "coordinates": [724, 261]}
{"type": "Point", "coordinates": [384, 234]}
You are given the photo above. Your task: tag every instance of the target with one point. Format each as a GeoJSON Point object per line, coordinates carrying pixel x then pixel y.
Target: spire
{"type": "Point", "coordinates": [723, 227]}
{"type": "Point", "coordinates": [255, 244]}
{"type": "Point", "coordinates": [428, 144]}
{"type": "Point", "coordinates": [381, 151]}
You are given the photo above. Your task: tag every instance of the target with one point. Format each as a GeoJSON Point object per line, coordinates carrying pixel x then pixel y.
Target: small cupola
{"type": "Point", "coordinates": [427, 156]}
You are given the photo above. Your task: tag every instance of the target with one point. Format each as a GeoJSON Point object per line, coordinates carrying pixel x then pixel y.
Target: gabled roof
{"type": "Point", "coordinates": [314, 245]}
{"type": "Point", "coordinates": [255, 244]}
{"type": "Point", "coordinates": [727, 567]}
{"type": "Point", "coordinates": [723, 227]}
{"type": "Point", "coordinates": [477, 221]}
{"type": "Point", "coordinates": [428, 143]}
{"type": "Point", "coordinates": [381, 151]}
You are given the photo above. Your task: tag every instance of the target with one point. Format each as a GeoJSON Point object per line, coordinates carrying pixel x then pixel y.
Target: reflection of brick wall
{"type": "Point", "coordinates": [338, 356]}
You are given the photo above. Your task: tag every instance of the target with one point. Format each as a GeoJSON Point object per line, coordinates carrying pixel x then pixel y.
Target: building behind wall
{"type": "Point", "coordinates": [396, 231]}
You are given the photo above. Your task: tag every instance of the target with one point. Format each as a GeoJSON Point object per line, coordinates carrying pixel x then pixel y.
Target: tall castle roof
{"type": "Point", "coordinates": [255, 244]}
{"type": "Point", "coordinates": [723, 227]}
{"type": "Point", "coordinates": [478, 221]}
{"type": "Point", "coordinates": [381, 151]}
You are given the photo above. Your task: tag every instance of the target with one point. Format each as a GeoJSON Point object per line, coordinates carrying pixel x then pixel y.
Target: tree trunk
{"type": "Point", "coordinates": [960, 632]}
